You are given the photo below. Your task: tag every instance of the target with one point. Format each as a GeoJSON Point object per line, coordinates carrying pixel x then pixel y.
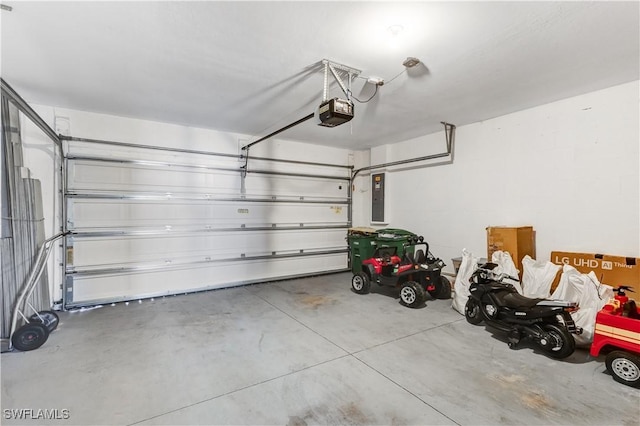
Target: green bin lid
{"type": "Point", "coordinates": [394, 234]}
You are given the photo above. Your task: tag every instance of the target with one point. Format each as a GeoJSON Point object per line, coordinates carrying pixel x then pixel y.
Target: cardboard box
{"type": "Point", "coordinates": [518, 241]}
{"type": "Point", "coordinates": [611, 270]}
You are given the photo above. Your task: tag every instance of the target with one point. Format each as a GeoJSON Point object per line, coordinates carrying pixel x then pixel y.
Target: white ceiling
{"type": "Point", "coordinates": [253, 67]}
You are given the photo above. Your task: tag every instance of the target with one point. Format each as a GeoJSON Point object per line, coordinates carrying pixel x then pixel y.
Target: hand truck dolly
{"type": "Point", "coordinates": [34, 330]}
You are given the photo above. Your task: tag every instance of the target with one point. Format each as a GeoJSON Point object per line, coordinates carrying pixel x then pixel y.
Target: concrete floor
{"type": "Point", "coordinates": [301, 352]}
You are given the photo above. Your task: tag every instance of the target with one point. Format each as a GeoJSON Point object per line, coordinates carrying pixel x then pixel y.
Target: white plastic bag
{"type": "Point", "coordinates": [537, 277]}
{"type": "Point", "coordinates": [590, 295]}
{"type": "Point", "coordinates": [506, 266]}
{"type": "Point", "coordinates": [468, 264]}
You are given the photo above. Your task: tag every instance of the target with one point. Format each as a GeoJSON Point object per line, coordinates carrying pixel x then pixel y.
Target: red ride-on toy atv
{"type": "Point", "coordinates": [415, 274]}
{"type": "Point", "coordinates": [617, 333]}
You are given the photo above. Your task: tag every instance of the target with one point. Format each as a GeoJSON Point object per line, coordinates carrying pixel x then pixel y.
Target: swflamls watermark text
{"type": "Point", "coordinates": [36, 414]}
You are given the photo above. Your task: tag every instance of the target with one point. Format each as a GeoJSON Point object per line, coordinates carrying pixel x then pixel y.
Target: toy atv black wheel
{"type": "Point", "coordinates": [412, 294]}
{"type": "Point", "coordinates": [30, 336]}
{"type": "Point", "coordinates": [442, 290]}
{"type": "Point", "coordinates": [472, 312]}
{"type": "Point", "coordinates": [624, 368]}
{"type": "Point", "coordinates": [361, 283]}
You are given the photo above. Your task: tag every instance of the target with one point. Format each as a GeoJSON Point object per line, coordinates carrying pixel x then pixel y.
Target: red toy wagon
{"type": "Point", "coordinates": [617, 333]}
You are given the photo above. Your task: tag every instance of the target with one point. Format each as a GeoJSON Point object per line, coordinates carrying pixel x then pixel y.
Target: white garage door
{"type": "Point", "coordinates": [147, 222]}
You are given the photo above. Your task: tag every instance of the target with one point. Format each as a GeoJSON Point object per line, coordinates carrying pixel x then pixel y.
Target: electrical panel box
{"type": "Point", "coordinates": [377, 197]}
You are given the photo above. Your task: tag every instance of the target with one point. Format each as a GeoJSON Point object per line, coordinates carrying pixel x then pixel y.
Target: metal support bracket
{"type": "Point", "coordinates": [328, 66]}
{"type": "Point", "coordinates": [333, 66]}
{"type": "Point", "coordinates": [449, 130]}
{"type": "Point", "coordinates": [243, 171]}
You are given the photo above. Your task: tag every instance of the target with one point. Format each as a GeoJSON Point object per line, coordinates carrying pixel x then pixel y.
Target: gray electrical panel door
{"type": "Point", "coordinates": [377, 197]}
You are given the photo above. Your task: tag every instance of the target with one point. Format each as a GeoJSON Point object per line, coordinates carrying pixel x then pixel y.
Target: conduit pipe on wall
{"type": "Point", "coordinates": [449, 133]}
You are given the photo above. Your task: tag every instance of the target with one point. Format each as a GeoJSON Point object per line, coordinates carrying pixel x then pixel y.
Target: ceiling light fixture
{"type": "Point", "coordinates": [395, 30]}
{"type": "Point", "coordinates": [5, 7]}
{"type": "Point", "coordinates": [411, 62]}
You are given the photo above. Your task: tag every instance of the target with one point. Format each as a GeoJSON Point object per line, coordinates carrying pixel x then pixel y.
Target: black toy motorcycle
{"type": "Point", "coordinates": [499, 305]}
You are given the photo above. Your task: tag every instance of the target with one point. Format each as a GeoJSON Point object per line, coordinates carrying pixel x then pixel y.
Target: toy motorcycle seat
{"type": "Point", "coordinates": [558, 303]}
{"type": "Point", "coordinates": [516, 300]}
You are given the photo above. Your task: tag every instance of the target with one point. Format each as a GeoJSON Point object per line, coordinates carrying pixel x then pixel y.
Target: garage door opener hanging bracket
{"type": "Point", "coordinates": [329, 66]}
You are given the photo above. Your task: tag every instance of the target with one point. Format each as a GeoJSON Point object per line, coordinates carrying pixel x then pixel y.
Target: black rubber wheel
{"type": "Point", "coordinates": [412, 294]}
{"type": "Point", "coordinates": [30, 336]}
{"type": "Point", "coordinates": [50, 318]}
{"type": "Point", "coordinates": [559, 344]}
{"type": "Point", "coordinates": [624, 368]}
{"type": "Point", "coordinates": [443, 289]}
{"type": "Point", "coordinates": [472, 312]}
{"type": "Point", "coordinates": [360, 283]}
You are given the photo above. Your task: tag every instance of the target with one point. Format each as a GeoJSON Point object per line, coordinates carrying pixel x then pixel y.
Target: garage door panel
{"type": "Point", "coordinates": [148, 222]}
{"type": "Point", "coordinates": [126, 178]}
{"type": "Point", "coordinates": [152, 157]}
{"type": "Point", "coordinates": [308, 188]}
{"type": "Point", "coordinates": [214, 245]}
{"type": "Point", "coordinates": [129, 154]}
{"type": "Point", "coordinates": [83, 290]}
{"type": "Point", "coordinates": [302, 169]}
{"type": "Point", "coordinates": [116, 178]}
{"type": "Point", "coordinates": [91, 214]}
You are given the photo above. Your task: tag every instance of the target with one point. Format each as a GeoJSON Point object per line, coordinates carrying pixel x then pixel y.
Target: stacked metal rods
{"type": "Point", "coordinates": [23, 230]}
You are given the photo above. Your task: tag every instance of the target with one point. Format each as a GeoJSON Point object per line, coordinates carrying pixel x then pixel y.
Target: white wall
{"type": "Point", "coordinates": [569, 168]}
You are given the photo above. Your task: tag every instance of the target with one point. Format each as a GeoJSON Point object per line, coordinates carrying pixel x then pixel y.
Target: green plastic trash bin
{"type": "Point", "coordinates": [392, 237]}
{"type": "Point", "coordinates": [363, 243]}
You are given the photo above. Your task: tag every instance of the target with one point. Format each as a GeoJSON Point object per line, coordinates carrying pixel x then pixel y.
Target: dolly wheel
{"type": "Point", "coordinates": [412, 294]}
{"type": "Point", "coordinates": [624, 367]}
{"type": "Point", "coordinates": [49, 318]}
{"type": "Point", "coordinates": [30, 336]}
{"type": "Point", "coordinates": [360, 283]}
